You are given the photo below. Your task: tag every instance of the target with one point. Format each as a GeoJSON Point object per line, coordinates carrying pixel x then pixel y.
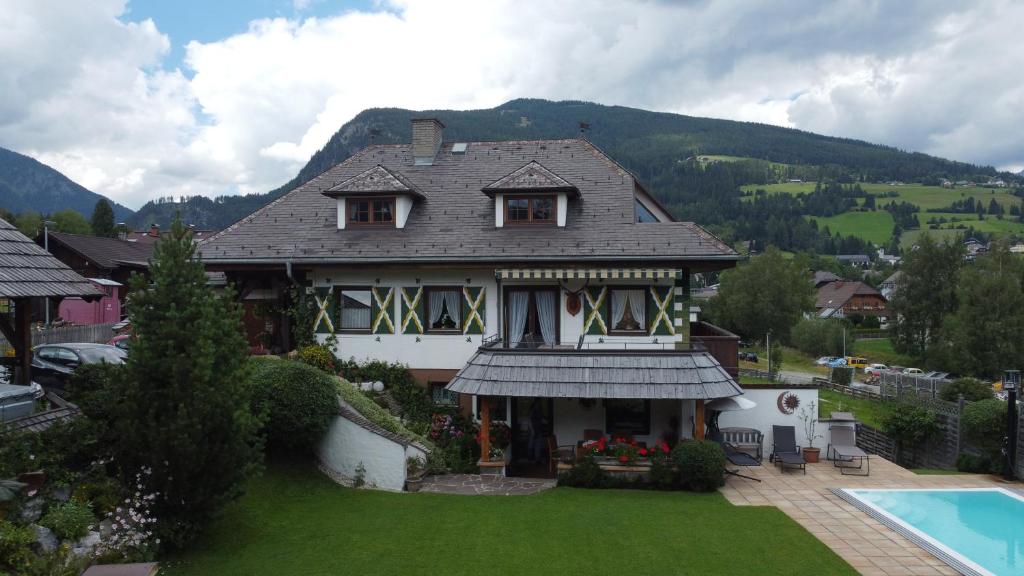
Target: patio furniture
{"type": "Point", "coordinates": [745, 439]}
{"type": "Point", "coordinates": [736, 458]}
{"type": "Point", "coordinates": [785, 451]}
{"type": "Point", "coordinates": [558, 454]}
{"type": "Point", "coordinates": [842, 450]}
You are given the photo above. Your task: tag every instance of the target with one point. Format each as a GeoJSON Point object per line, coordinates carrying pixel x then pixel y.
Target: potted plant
{"type": "Point", "coordinates": [415, 470]}
{"type": "Point", "coordinates": [809, 416]}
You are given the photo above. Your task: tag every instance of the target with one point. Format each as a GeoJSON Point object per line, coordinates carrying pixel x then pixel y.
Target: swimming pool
{"type": "Point", "coordinates": [974, 530]}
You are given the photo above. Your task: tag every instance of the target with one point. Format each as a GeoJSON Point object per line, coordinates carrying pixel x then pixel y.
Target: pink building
{"type": "Point", "coordinates": [103, 311]}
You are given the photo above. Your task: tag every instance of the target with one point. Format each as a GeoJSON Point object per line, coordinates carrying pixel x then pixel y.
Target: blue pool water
{"type": "Point", "coordinates": [985, 526]}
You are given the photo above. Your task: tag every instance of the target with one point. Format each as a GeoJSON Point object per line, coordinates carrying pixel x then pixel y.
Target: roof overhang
{"type": "Point", "coordinates": [588, 273]}
{"type": "Point", "coordinates": [610, 374]}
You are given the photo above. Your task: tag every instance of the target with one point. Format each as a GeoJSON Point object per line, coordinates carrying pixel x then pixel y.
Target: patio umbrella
{"type": "Point", "coordinates": [719, 405]}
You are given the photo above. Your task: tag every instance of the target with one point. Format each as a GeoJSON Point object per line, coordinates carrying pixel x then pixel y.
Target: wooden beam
{"type": "Point", "coordinates": [698, 420]}
{"type": "Point", "coordinates": [23, 339]}
{"type": "Point", "coordinates": [485, 428]}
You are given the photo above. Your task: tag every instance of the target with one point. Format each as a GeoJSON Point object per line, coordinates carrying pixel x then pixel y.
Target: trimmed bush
{"type": "Point", "coordinates": [911, 425]}
{"type": "Point", "coordinates": [318, 356]}
{"type": "Point", "coordinates": [984, 426]}
{"type": "Point", "coordinates": [701, 465]}
{"type": "Point", "coordinates": [586, 473]}
{"type": "Point", "coordinates": [297, 402]}
{"type": "Point", "coordinates": [973, 390]}
{"type": "Point", "coordinates": [973, 463]}
{"type": "Point", "coordinates": [69, 520]}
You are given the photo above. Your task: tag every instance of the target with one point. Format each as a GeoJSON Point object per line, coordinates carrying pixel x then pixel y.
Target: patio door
{"type": "Point", "coordinates": [522, 416]}
{"type": "Point", "coordinates": [531, 316]}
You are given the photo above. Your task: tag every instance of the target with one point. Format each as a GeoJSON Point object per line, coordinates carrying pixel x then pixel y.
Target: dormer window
{"type": "Point", "coordinates": [530, 210]}
{"type": "Point", "coordinates": [371, 211]}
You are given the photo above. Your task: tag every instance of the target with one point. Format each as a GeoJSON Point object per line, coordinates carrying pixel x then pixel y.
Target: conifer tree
{"type": "Point", "coordinates": [102, 221]}
{"type": "Point", "coordinates": [184, 413]}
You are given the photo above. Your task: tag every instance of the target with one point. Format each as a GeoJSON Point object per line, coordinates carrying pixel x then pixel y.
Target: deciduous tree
{"type": "Point", "coordinates": [925, 295]}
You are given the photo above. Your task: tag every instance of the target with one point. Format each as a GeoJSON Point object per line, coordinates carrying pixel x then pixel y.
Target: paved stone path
{"type": "Point", "coordinates": [868, 545]}
{"type": "Point", "coordinates": [473, 484]}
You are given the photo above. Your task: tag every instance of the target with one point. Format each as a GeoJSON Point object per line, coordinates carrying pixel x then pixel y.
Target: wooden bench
{"type": "Point", "coordinates": [745, 439]}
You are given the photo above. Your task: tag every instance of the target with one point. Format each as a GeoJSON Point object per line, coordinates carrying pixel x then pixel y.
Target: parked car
{"type": "Point", "coordinates": [825, 360]}
{"type": "Point", "coordinates": [913, 372]}
{"type": "Point", "coordinates": [837, 363]}
{"type": "Point", "coordinates": [937, 375]}
{"type": "Point", "coordinates": [53, 364]}
{"type": "Point", "coordinates": [856, 361]}
{"type": "Point", "coordinates": [122, 341]}
{"type": "Point", "coordinates": [749, 356]}
{"type": "Point", "coordinates": [875, 369]}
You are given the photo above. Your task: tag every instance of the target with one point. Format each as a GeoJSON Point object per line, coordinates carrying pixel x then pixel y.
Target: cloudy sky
{"type": "Point", "coordinates": [140, 99]}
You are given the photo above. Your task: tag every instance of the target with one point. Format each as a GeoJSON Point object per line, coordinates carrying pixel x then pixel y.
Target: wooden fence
{"type": "Point", "coordinates": [97, 333]}
{"type": "Point", "coordinates": [873, 441]}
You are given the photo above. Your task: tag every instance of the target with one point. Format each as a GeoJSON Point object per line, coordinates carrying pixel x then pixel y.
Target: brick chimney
{"type": "Point", "coordinates": [154, 230]}
{"type": "Point", "coordinates": [426, 140]}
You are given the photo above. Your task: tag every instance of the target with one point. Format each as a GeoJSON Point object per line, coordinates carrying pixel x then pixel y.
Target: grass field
{"type": "Point", "coordinates": [880, 350]}
{"type": "Point", "coordinates": [296, 521]}
{"type": "Point", "coordinates": [867, 411]}
{"type": "Point", "coordinates": [877, 226]}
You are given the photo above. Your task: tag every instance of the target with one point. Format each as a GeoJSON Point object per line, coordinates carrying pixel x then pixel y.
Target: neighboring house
{"type": "Point", "coordinates": [822, 277]}
{"type": "Point", "coordinates": [106, 310]}
{"type": "Point", "coordinates": [889, 285]}
{"type": "Point", "coordinates": [859, 260]}
{"type": "Point", "coordinates": [538, 276]}
{"type": "Point", "coordinates": [888, 258]}
{"type": "Point", "coordinates": [846, 298]}
{"type": "Point", "coordinates": [153, 234]}
{"type": "Point", "coordinates": [1017, 248]}
{"type": "Point", "coordinates": [100, 257]}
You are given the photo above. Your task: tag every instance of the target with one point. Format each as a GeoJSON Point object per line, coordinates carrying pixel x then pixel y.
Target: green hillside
{"type": "Point", "coordinates": [660, 148]}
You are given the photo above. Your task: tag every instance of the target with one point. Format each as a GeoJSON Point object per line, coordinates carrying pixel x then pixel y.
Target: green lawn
{"type": "Point", "coordinates": [867, 411]}
{"type": "Point", "coordinates": [936, 472]}
{"type": "Point", "coordinates": [872, 226]}
{"type": "Point", "coordinates": [880, 350]}
{"type": "Point", "coordinates": [299, 522]}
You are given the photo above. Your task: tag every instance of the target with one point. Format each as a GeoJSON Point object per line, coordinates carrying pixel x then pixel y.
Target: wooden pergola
{"type": "Point", "coordinates": [28, 272]}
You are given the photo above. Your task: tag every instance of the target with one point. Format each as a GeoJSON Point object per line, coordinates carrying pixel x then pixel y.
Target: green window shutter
{"type": "Point", "coordinates": [326, 311]}
{"type": "Point", "coordinates": [661, 311]}
{"type": "Point", "coordinates": [381, 310]}
{"type": "Point", "coordinates": [474, 310]}
{"type": "Point", "coordinates": [412, 310]}
{"type": "Point", "coordinates": [595, 310]}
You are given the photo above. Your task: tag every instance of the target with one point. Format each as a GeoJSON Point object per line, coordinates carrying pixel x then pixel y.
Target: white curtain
{"type": "Point", "coordinates": [638, 306]}
{"type": "Point", "coordinates": [355, 309]}
{"type": "Point", "coordinates": [618, 307]}
{"type": "Point", "coordinates": [453, 301]}
{"type": "Point", "coordinates": [518, 303]}
{"type": "Point", "coordinates": [546, 315]}
{"type": "Point", "coordinates": [436, 306]}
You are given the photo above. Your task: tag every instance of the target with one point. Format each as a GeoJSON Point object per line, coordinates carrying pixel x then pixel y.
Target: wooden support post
{"type": "Point", "coordinates": [485, 428]}
{"type": "Point", "coordinates": [698, 420]}
{"type": "Point", "coordinates": [23, 340]}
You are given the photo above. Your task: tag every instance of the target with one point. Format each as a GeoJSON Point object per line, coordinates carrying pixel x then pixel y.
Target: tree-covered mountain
{"type": "Point", "coordinates": [662, 149]}
{"type": "Point", "coordinates": [29, 185]}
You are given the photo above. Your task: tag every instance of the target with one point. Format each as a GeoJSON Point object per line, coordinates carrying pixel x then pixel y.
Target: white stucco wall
{"type": "Point", "coordinates": [436, 351]}
{"type": "Point", "coordinates": [347, 445]}
{"type": "Point", "coordinates": [767, 413]}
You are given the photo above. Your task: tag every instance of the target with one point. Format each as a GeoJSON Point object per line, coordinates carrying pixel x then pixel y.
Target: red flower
{"type": "Point", "coordinates": [643, 451]}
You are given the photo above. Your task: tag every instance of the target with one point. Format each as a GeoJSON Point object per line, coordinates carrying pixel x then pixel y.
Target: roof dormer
{"type": "Point", "coordinates": [531, 195]}
{"type": "Point", "coordinates": [376, 197]}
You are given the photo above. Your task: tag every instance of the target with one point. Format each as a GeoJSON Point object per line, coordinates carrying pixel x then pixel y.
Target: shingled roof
{"type": "Point", "coordinates": [376, 180]}
{"type": "Point", "coordinates": [532, 177]}
{"type": "Point", "coordinates": [570, 373]}
{"type": "Point", "coordinates": [28, 271]}
{"type": "Point", "coordinates": [105, 252]}
{"type": "Point", "coordinates": [455, 221]}
{"type": "Point", "coordinates": [836, 294]}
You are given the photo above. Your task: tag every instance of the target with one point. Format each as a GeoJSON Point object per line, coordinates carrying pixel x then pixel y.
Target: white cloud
{"type": "Point", "coordinates": [86, 91]}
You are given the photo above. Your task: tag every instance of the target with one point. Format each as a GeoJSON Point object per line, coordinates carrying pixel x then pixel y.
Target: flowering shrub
{"type": "Point", "coordinates": [456, 436]}
{"type": "Point", "coordinates": [625, 450]}
{"type": "Point", "coordinates": [131, 534]}
{"type": "Point", "coordinates": [501, 437]}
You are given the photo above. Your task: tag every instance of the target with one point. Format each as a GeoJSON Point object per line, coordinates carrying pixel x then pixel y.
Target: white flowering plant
{"type": "Point", "coordinates": [131, 534]}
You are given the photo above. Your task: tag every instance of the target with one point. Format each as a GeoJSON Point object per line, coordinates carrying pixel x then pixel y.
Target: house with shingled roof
{"type": "Point", "coordinates": [509, 276]}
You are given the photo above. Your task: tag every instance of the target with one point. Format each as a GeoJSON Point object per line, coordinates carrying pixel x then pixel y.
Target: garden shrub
{"type": "Point", "coordinates": [818, 337]}
{"type": "Point", "coordinates": [984, 426]}
{"type": "Point", "coordinates": [585, 473]}
{"type": "Point", "coordinates": [663, 476]}
{"type": "Point", "coordinates": [374, 413]}
{"type": "Point", "coordinates": [911, 426]}
{"type": "Point", "coordinates": [69, 520]}
{"type": "Point", "coordinates": [701, 465]}
{"type": "Point", "coordinates": [842, 375]}
{"type": "Point", "coordinates": [15, 546]}
{"type": "Point", "coordinates": [297, 402]}
{"type": "Point", "coordinates": [415, 403]}
{"type": "Point", "coordinates": [973, 390]}
{"type": "Point", "coordinates": [456, 436]}
{"type": "Point", "coordinates": [100, 492]}
{"type": "Point", "coordinates": [977, 464]}
{"type": "Point", "coordinates": [318, 356]}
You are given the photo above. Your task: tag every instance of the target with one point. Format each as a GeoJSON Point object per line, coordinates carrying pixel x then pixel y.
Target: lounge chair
{"type": "Point", "coordinates": [737, 457]}
{"type": "Point", "coordinates": [842, 450]}
{"type": "Point", "coordinates": [785, 451]}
